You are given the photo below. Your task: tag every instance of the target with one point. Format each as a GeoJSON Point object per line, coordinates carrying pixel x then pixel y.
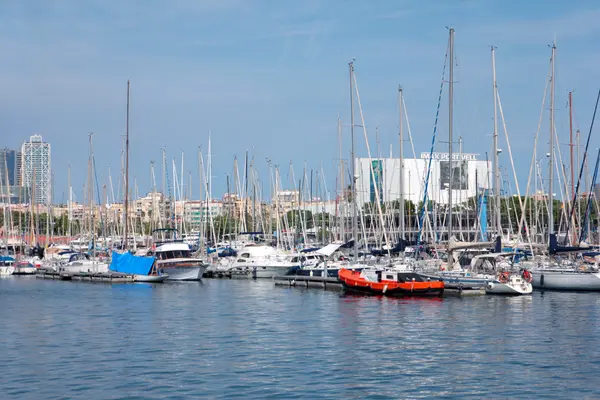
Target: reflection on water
{"type": "Point", "coordinates": [235, 338]}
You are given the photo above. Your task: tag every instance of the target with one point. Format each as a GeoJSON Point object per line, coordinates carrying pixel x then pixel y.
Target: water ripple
{"type": "Point", "coordinates": [245, 339]}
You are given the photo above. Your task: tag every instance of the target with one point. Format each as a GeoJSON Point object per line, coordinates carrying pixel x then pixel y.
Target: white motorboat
{"type": "Point", "coordinates": [77, 263]}
{"type": "Point", "coordinates": [6, 270]}
{"type": "Point", "coordinates": [260, 261]}
{"type": "Point", "coordinates": [174, 259]}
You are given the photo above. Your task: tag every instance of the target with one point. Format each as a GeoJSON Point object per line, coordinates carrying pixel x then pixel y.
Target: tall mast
{"type": "Point", "coordinates": [496, 166]}
{"type": "Point", "coordinates": [70, 208]}
{"type": "Point", "coordinates": [551, 154]}
{"type": "Point", "coordinates": [342, 205]}
{"type": "Point", "coordinates": [401, 174]}
{"type": "Point", "coordinates": [91, 199]}
{"type": "Point", "coordinates": [571, 153]}
{"type": "Point", "coordinates": [126, 203]}
{"type": "Point", "coordinates": [450, 125]}
{"type": "Point", "coordinates": [353, 161]}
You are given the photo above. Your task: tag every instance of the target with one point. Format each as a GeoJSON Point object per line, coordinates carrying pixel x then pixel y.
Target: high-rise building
{"type": "Point", "coordinates": [35, 169]}
{"type": "Point", "coordinates": [10, 167]}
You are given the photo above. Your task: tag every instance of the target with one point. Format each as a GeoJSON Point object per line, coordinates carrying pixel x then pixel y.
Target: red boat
{"type": "Point", "coordinates": [389, 282]}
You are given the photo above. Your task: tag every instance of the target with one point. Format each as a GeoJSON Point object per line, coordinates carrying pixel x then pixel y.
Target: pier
{"type": "Point", "coordinates": [86, 277]}
{"type": "Point", "coordinates": [319, 282]}
{"type": "Point", "coordinates": [330, 283]}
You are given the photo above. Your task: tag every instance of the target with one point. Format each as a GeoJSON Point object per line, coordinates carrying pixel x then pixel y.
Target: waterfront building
{"type": "Point", "coordinates": [383, 174]}
{"type": "Point", "coordinates": [35, 169]}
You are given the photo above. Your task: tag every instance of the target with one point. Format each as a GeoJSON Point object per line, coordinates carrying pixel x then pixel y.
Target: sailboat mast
{"type": "Point", "coordinates": [551, 154]}
{"type": "Point", "coordinates": [342, 207]}
{"type": "Point", "coordinates": [353, 161]}
{"type": "Point", "coordinates": [450, 125]}
{"type": "Point", "coordinates": [126, 203]}
{"type": "Point", "coordinates": [70, 208]}
{"type": "Point", "coordinates": [496, 166]}
{"type": "Point", "coordinates": [91, 199]}
{"type": "Point", "coordinates": [401, 173]}
{"type": "Point", "coordinates": [571, 154]}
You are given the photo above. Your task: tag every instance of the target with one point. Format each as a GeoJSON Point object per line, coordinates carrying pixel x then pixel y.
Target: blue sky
{"type": "Point", "coordinates": [271, 77]}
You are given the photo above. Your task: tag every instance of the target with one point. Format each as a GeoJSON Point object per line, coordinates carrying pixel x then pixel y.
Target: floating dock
{"type": "Point", "coordinates": [320, 282]}
{"type": "Point", "coordinates": [106, 277]}
{"type": "Point", "coordinates": [330, 283]}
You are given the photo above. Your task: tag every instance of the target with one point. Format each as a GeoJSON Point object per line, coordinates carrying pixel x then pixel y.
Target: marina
{"type": "Point", "coordinates": [323, 199]}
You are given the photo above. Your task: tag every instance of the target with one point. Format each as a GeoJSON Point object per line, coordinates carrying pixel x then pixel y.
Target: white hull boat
{"type": "Point", "coordinates": [7, 271]}
{"type": "Point", "coordinates": [260, 262]}
{"type": "Point", "coordinates": [150, 278]}
{"type": "Point", "coordinates": [84, 266]}
{"type": "Point", "coordinates": [174, 258]}
{"type": "Point", "coordinates": [566, 279]}
{"type": "Point", "coordinates": [513, 285]}
{"type": "Point", "coordinates": [24, 268]}
{"type": "Point", "coordinates": [182, 269]}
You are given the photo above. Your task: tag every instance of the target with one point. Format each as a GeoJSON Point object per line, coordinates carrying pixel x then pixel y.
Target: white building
{"type": "Point", "coordinates": [469, 174]}
{"type": "Point", "coordinates": [35, 169]}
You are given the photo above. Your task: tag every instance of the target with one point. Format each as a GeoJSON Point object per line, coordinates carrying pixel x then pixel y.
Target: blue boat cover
{"type": "Point", "coordinates": [127, 263]}
{"type": "Point", "coordinates": [6, 258]}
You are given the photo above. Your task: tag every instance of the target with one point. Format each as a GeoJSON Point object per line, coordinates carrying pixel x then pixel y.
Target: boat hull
{"type": "Point", "coordinates": [353, 282]}
{"type": "Point", "coordinates": [25, 271]}
{"type": "Point", "coordinates": [431, 292]}
{"type": "Point", "coordinates": [514, 289]}
{"type": "Point", "coordinates": [454, 281]}
{"type": "Point", "coordinates": [566, 280]}
{"type": "Point", "coordinates": [254, 271]}
{"type": "Point", "coordinates": [185, 272]}
{"type": "Point", "coordinates": [150, 278]}
{"type": "Point", "coordinates": [6, 271]}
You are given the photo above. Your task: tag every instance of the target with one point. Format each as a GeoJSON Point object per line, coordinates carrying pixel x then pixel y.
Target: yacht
{"type": "Point", "coordinates": [175, 260]}
{"type": "Point", "coordinates": [82, 263]}
{"type": "Point", "coordinates": [261, 261]}
{"type": "Point", "coordinates": [174, 257]}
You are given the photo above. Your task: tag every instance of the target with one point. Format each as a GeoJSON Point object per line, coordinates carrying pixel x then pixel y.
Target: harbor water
{"type": "Point", "coordinates": [252, 340]}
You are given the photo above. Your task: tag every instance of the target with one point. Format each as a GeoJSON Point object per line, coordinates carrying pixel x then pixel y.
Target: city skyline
{"type": "Point", "coordinates": [271, 79]}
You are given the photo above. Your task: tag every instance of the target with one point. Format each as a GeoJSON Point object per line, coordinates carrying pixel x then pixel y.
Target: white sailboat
{"type": "Point", "coordinates": [576, 276]}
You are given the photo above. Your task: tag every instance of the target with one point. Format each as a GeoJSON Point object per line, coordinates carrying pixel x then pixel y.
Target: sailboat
{"type": "Point", "coordinates": [552, 275]}
{"type": "Point", "coordinates": [143, 269]}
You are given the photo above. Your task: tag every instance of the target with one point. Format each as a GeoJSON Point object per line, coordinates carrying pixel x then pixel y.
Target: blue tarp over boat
{"type": "Point", "coordinates": [127, 263]}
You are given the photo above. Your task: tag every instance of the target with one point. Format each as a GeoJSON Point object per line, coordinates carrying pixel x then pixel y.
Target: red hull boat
{"type": "Point", "coordinates": [389, 283]}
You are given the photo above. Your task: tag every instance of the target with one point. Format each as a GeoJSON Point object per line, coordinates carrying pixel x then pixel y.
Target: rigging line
{"type": "Point", "coordinates": [437, 114]}
{"type": "Point", "coordinates": [582, 166]}
{"type": "Point", "coordinates": [535, 141]}
{"type": "Point", "coordinates": [584, 232]}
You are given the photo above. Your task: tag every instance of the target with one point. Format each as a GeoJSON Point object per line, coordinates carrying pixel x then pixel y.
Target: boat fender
{"type": "Point", "coordinates": [542, 280]}
{"type": "Point", "coordinates": [490, 285]}
{"type": "Point", "coordinates": [385, 289]}
{"type": "Point", "coordinates": [460, 288]}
